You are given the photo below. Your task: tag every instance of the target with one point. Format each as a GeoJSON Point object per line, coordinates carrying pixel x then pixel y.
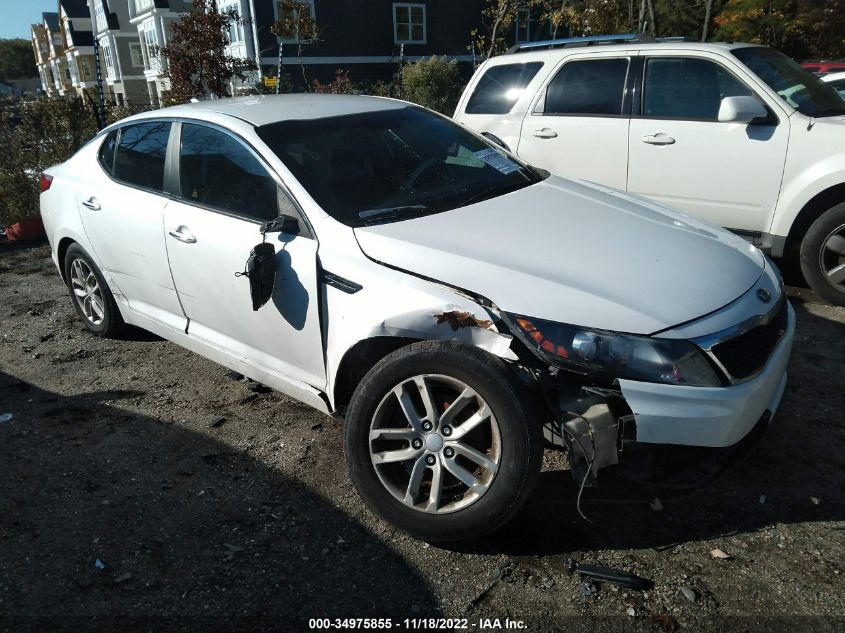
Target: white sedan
{"type": "Point", "coordinates": [383, 264]}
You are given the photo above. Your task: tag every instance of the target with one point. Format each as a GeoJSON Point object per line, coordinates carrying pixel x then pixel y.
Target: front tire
{"type": "Point", "coordinates": [823, 255]}
{"type": "Point", "coordinates": [90, 294]}
{"type": "Point", "coordinates": [441, 441]}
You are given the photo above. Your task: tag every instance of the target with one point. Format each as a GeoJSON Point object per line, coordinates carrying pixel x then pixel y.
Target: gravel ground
{"type": "Point", "coordinates": [143, 489]}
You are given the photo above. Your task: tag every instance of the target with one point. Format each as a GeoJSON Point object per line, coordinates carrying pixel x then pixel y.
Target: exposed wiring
{"type": "Point", "coordinates": [564, 430]}
{"type": "Point", "coordinates": [587, 472]}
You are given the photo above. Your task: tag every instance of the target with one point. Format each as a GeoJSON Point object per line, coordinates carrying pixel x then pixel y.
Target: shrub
{"type": "Point", "coordinates": [340, 85]}
{"type": "Point", "coordinates": [382, 89]}
{"type": "Point", "coordinates": [36, 135]}
{"type": "Point", "coordinates": [434, 83]}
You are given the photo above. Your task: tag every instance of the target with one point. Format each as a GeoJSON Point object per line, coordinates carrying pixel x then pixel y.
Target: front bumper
{"type": "Point", "coordinates": [715, 417]}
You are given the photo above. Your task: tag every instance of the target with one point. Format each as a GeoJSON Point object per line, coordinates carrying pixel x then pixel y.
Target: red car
{"type": "Point", "coordinates": [824, 66]}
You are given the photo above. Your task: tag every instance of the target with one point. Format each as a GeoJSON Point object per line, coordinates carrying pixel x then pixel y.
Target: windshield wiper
{"type": "Point", "coordinates": [372, 216]}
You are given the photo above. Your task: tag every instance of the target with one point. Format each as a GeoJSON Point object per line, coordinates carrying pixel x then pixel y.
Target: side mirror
{"type": "Point", "coordinates": [741, 110]}
{"type": "Point", "coordinates": [282, 224]}
{"type": "Point", "coordinates": [260, 269]}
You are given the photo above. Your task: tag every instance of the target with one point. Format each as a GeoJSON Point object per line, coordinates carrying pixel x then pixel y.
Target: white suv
{"type": "Point", "coordinates": [738, 135]}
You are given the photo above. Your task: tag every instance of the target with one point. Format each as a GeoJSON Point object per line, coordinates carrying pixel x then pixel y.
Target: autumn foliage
{"type": "Point", "coordinates": [196, 60]}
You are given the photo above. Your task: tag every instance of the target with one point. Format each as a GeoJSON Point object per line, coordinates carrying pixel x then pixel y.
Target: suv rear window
{"type": "Point", "coordinates": [589, 87]}
{"type": "Point", "coordinates": [500, 87]}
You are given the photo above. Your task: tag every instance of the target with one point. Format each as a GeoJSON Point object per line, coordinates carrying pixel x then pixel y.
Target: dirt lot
{"type": "Point", "coordinates": [111, 456]}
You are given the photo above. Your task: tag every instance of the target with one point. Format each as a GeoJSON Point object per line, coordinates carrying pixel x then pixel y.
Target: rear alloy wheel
{"type": "Point", "coordinates": [440, 443]}
{"type": "Point", "coordinates": [823, 255]}
{"type": "Point", "coordinates": [91, 296]}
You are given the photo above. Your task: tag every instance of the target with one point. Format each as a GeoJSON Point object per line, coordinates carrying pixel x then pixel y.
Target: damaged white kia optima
{"type": "Point", "coordinates": [383, 264]}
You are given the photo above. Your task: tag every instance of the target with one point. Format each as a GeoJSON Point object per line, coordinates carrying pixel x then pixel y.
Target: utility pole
{"type": "Point", "coordinates": [98, 74]}
{"type": "Point", "coordinates": [279, 71]}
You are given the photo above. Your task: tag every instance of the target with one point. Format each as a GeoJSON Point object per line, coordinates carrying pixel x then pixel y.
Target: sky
{"type": "Point", "coordinates": [17, 15]}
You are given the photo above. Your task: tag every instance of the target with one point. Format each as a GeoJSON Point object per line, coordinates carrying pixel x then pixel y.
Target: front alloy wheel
{"type": "Point", "coordinates": [442, 441]}
{"type": "Point", "coordinates": [435, 444]}
{"type": "Point", "coordinates": [823, 255]}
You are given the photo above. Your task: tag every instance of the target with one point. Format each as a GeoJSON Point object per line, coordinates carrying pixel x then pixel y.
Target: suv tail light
{"type": "Point", "coordinates": [46, 180]}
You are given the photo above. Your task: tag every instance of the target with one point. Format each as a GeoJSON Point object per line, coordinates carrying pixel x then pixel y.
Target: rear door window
{"type": "Point", "coordinates": [141, 153]}
{"type": "Point", "coordinates": [500, 87]}
{"type": "Point", "coordinates": [590, 87]}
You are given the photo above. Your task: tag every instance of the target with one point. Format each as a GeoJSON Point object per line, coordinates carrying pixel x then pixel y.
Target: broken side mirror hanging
{"type": "Point", "coordinates": [260, 267]}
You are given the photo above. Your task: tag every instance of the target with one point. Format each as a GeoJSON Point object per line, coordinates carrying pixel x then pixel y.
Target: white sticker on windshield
{"type": "Point", "coordinates": [497, 161]}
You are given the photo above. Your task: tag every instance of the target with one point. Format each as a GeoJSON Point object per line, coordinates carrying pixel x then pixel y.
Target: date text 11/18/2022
{"type": "Point", "coordinates": [409, 624]}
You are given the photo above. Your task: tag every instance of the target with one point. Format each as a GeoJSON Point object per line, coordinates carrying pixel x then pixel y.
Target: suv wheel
{"type": "Point", "coordinates": [91, 296]}
{"type": "Point", "coordinates": [823, 255]}
{"type": "Point", "coordinates": [440, 441]}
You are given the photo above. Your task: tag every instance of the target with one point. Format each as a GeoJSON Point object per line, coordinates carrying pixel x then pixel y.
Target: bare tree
{"type": "Point", "coordinates": [503, 9]}
{"type": "Point", "coordinates": [708, 14]}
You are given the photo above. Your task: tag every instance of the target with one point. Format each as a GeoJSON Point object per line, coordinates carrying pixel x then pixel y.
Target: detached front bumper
{"type": "Point", "coordinates": [716, 417]}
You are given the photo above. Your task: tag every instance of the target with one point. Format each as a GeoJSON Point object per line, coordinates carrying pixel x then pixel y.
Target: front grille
{"type": "Point", "coordinates": [746, 354]}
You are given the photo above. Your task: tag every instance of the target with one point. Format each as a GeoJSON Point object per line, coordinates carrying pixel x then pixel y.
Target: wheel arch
{"type": "Point", "coordinates": [811, 211]}
{"type": "Point", "coordinates": [61, 250]}
{"type": "Point", "coordinates": [358, 360]}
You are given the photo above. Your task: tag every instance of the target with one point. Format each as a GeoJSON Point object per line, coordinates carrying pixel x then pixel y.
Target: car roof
{"type": "Point", "coordinates": [261, 110]}
{"type": "Point", "coordinates": [556, 53]}
{"type": "Point", "coordinates": [833, 76]}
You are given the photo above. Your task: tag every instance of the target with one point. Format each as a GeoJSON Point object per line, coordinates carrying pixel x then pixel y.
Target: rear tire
{"type": "Point", "coordinates": [436, 500]}
{"type": "Point", "coordinates": [92, 299]}
{"type": "Point", "coordinates": [823, 255]}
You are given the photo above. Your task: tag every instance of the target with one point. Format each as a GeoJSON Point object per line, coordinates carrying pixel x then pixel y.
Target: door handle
{"type": "Point", "coordinates": [183, 234]}
{"type": "Point", "coordinates": [658, 139]}
{"type": "Point", "coordinates": [545, 133]}
{"type": "Point", "coordinates": [91, 203]}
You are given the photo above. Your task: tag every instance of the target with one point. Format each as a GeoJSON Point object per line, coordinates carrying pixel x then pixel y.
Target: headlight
{"type": "Point", "coordinates": [614, 355]}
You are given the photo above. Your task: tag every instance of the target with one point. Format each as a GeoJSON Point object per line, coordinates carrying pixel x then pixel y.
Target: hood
{"type": "Point", "coordinates": [575, 253]}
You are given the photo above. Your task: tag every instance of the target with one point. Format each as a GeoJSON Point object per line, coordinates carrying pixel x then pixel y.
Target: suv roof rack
{"type": "Point", "coordinates": [591, 40]}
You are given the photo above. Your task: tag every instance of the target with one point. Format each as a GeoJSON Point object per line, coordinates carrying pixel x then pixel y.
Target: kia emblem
{"type": "Point", "coordinates": [764, 295]}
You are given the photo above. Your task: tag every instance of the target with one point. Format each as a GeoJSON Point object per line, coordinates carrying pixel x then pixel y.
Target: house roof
{"type": "Point", "coordinates": [75, 8]}
{"type": "Point", "coordinates": [51, 19]}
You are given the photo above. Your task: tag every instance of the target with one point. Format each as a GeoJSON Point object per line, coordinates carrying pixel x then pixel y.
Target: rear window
{"type": "Point", "coordinates": [592, 87]}
{"type": "Point", "coordinates": [107, 151]}
{"type": "Point", "coordinates": [500, 87]}
{"type": "Point", "coordinates": [141, 153]}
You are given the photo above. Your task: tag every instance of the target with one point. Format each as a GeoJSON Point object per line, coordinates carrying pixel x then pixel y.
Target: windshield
{"type": "Point", "coordinates": [391, 165]}
{"type": "Point", "coordinates": [798, 87]}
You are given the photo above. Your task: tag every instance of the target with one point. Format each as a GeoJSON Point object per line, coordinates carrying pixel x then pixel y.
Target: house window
{"type": "Point", "coordinates": [136, 54]}
{"type": "Point", "coordinates": [102, 23]}
{"type": "Point", "coordinates": [142, 5]}
{"type": "Point", "coordinates": [107, 56]}
{"type": "Point", "coordinates": [74, 71]}
{"type": "Point", "coordinates": [236, 32]}
{"type": "Point", "coordinates": [298, 18]}
{"type": "Point", "coordinates": [408, 23]}
{"type": "Point", "coordinates": [523, 25]}
{"type": "Point", "coordinates": [86, 68]}
{"type": "Point", "coordinates": [150, 41]}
